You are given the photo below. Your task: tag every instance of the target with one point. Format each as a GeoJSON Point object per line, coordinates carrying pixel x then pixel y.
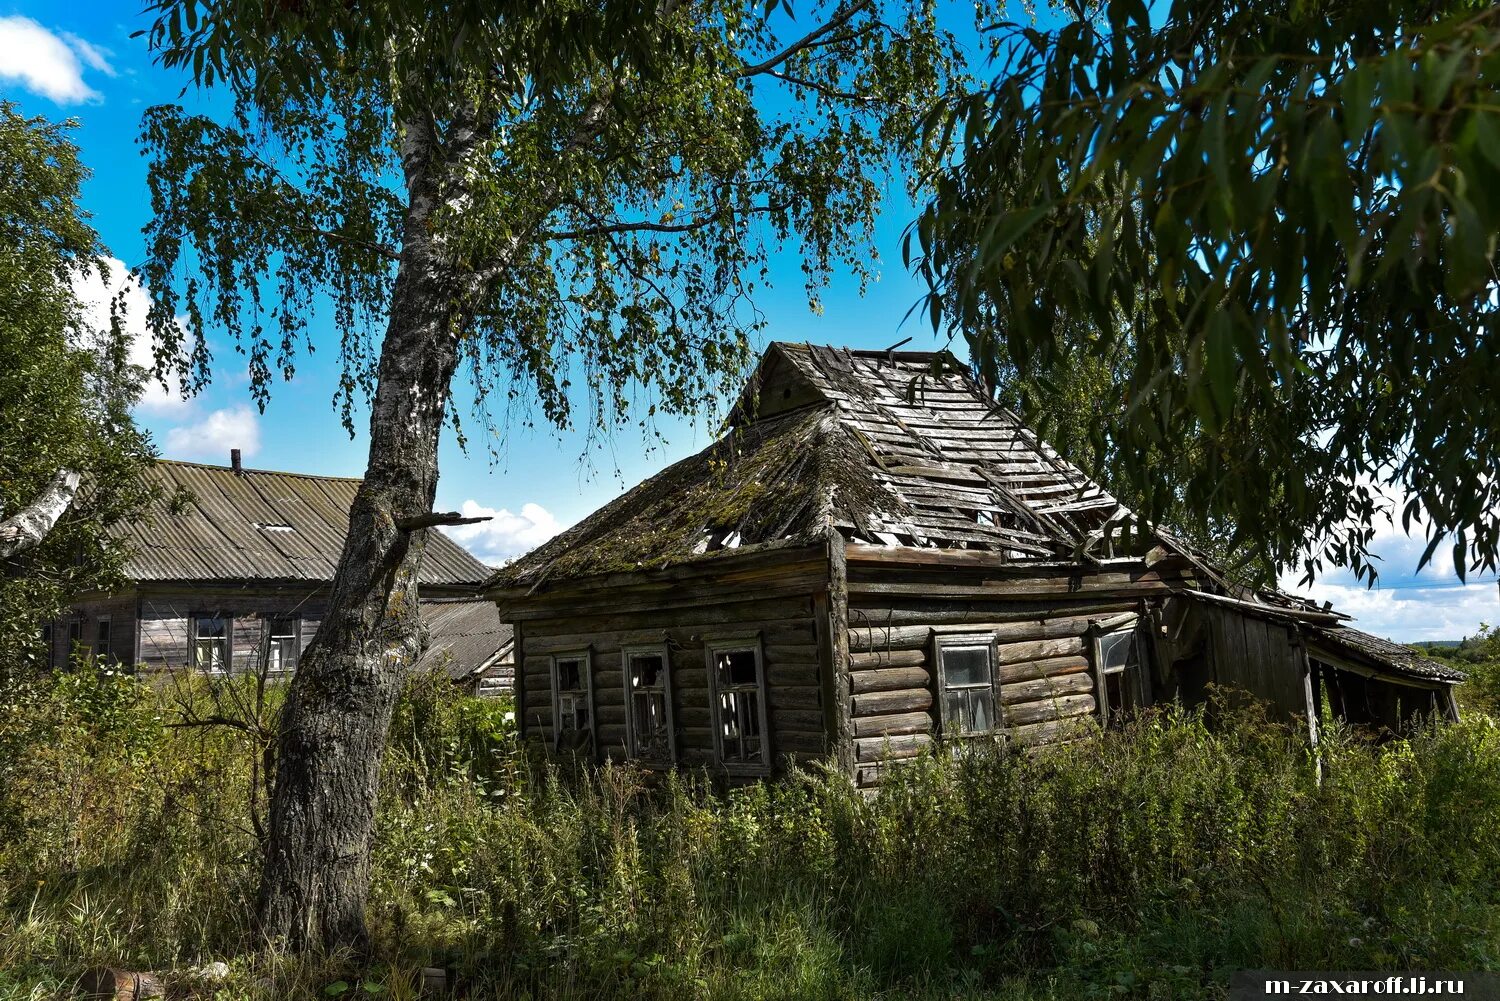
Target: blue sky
{"type": "Point", "coordinates": [78, 60]}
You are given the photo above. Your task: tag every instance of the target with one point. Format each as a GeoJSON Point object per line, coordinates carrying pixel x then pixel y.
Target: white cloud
{"type": "Point", "coordinates": [94, 298]}
{"type": "Point", "coordinates": [211, 438]}
{"type": "Point", "coordinates": [48, 64]}
{"type": "Point", "coordinates": [1407, 605]}
{"type": "Point", "coordinates": [96, 56]}
{"type": "Point", "coordinates": [507, 534]}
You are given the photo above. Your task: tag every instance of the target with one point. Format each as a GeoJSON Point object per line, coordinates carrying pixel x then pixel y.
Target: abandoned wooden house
{"type": "Point", "coordinates": [874, 558]}
{"type": "Point", "coordinates": [229, 571]}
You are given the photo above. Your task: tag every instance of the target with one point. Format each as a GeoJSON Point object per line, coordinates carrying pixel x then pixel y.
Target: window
{"type": "Point", "coordinates": [966, 672]}
{"type": "Point", "coordinates": [572, 702]}
{"type": "Point", "coordinates": [648, 701]}
{"type": "Point", "coordinates": [737, 683]}
{"type": "Point", "coordinates": [281, 645]}
{"type": "Point", "coordinates": [101, 638]}
{"type": "Point", "coordinates": [1122, 683]}
{"type": "Point", "coordinates": [75, 638]}
{"type": "Point", "coordinates": [211, 643]}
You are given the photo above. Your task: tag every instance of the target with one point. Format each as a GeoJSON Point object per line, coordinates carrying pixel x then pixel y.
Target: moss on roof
{"type": "Point", "coordinates": [788, 478]}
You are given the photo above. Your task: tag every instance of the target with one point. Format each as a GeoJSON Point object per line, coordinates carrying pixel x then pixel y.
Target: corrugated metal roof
{"type": "Point", "coordinates": [261, 526]}
{"type": "Point", "coordinates": [463, 637]}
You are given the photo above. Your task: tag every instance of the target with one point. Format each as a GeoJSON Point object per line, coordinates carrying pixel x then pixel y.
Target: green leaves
{"type": "Point", "coordinates": [1308, 290]}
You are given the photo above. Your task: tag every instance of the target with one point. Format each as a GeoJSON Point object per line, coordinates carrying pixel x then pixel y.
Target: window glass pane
{"type": "Point", "coordinates": [101, 640]}
{"type": "Point", "coordinates": [569, 675]}
{"type": "Point", "coordinates": [969, 710]}
{"type": "Point", "coordinates": [1117, 651]}
{"type": "Point", "coordinates": [645, 671]}
{"type": "Point", "coordinates": [736, 668]}
{"type": "Point", "coordinates": [963, 666]}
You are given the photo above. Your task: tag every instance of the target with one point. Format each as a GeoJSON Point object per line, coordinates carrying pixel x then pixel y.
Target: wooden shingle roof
{"type": "Point", "coordinates": [262, 527]}
{"type": "Point", "coordinates": [891, 448]}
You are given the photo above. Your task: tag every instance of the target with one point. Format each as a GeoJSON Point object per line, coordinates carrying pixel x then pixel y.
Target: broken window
{"type": "Point", "coordinates": [211, 643]}
{"type": "Point", "coordinates": [572, 702]}
{"type": "Point", "coordinates": [648, 698]}
{"type": "Point", "coordinates": [739, 702]}
{"type": "Point", "coordinates": [967, 676]}
{"type": "Point", "coordinates": [281, 645]}
{"type": "Point", "coordinates": [1121, 681]}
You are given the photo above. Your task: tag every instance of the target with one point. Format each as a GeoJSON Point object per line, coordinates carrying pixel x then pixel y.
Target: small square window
{"type": "Point", "coordinates": [966, 671]}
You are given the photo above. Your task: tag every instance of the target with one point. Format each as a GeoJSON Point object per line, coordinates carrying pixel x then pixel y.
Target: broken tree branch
{"type": "Point", "coordinates": [28, 527]}
{"type": "Point", "coordinates": [434, 518]}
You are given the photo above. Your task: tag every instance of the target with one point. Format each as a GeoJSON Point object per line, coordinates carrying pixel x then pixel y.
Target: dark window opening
{"type": "Point", "coordinates": [102, 639]}
{"type": "Point", "coordinates": [739, 707]}
{"type": "Point", "coordinates": [1121, 680]}
{"type": "Point", "coordinates": [574, 724]}
{"type": "Point", "coordinates": [649, 701]}
{"type": "Point", "coordinates": [966, 669]}
{"type": "Point", "coordinates": [75, 638]}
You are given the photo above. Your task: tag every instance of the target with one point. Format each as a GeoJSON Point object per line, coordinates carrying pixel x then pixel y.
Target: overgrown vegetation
{"type": "Point", "coordinates": [1147, 863]}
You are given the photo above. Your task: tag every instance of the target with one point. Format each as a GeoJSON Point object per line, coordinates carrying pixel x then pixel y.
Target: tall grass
{"type": "Point", "coordinates": [1144, 863]}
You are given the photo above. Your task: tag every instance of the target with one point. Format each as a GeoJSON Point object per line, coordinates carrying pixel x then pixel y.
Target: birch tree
{"type": "Point", "coordinates": [572, 204]}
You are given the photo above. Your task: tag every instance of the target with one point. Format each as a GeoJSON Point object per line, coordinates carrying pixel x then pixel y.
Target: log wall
{"type": "Point", "coordinates": [165, 633]}
{"type": "Point", "coordinates": [1040, 625]}
{"type": "Point", "coordinates": [119, 609]}
{"type": "Point", "coordinates": [783, 599]}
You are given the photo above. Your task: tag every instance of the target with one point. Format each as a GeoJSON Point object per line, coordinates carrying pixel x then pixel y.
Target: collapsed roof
{"type": "Point", "coordinates": [893, 448]}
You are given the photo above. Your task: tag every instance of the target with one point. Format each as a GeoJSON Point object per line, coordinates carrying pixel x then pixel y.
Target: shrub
{"type": "Point", "coordinates": [1148, 862]}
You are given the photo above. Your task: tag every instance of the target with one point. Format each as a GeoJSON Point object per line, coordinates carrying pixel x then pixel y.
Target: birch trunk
{"type": "Point", "coordinates": [316, 876]}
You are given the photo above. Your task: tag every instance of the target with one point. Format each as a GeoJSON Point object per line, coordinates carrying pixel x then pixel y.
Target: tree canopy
{"type": "Point", "coordinates": [629, 170]}
{"type": "Point", "coordinates": [1276, 223]}
{"type": "Point", "coordinates": [65, 389]}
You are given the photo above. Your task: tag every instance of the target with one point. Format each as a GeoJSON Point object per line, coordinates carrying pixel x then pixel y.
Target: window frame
{"type": "Point", "coordinates": [1137, 681]}
{"type": "Point", "coordinates": [942, 642]}
{"type": "Point", "coordinates": [585, 659]}
{"type": "Point", "coordinates": [294, 625]}
{"type": "Point", "coordinates": [104, 625]}
{"type": "Point", "coordinates": [74, 639]}
{"type": "Point", "coordinates": [631, 738]}
{"type": "Point", "coordinates": [741, 643]}
{"type": "Point", "coordinates": [228, 641]}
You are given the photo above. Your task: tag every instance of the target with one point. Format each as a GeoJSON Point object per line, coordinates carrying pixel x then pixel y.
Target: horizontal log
{"type": "Point", "coordinates": [1015, 653]}
{"type": "Point", "coordinates": [897, 723]}
{"type": "Point", "coordinates": [1029, 590]}
{"type": "Point", "coordinates": [887, 658]}
{"type": "Point", "coordinates": [787, 697]}
{"type": "Point", "coordinates": [891, 748]}
{"type": "Point", "coordinates": [888, 679]}
{"type": "Point", "coordinates": [750, 610]}
{"type": "Point", "coordinates": [1036, 712]}
{"type": "Point", "coordinates": [1009, 674]}
{"type": "Point", "coordinates": [873, 612]}
{"type": "Point", "coordinates": [885, 703]}
{"type": "Point", "coordinates": [685, 641]}
{"type": "Point", "coordinates": [1046, 688]}
{"type": "Point", "coordinates": [796, 719]}
{"type": "Point", "coordinates": [1051, 731]}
